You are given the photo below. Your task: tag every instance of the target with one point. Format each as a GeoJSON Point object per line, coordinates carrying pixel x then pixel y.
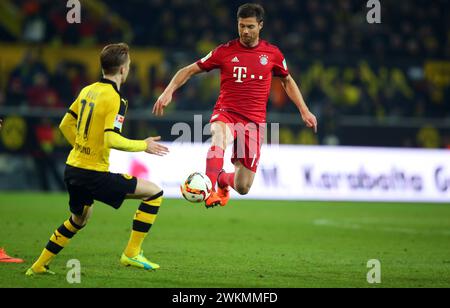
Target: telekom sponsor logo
{"type": "Point", "coordinates": [240, 73]}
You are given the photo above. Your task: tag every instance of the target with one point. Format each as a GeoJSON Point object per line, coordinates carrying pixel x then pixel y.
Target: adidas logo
{"type": "Point", "coordinates": [235, 60]}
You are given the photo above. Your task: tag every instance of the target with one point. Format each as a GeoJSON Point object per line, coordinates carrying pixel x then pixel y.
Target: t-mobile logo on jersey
{"type": "Point", "coordinates": [242, 73]}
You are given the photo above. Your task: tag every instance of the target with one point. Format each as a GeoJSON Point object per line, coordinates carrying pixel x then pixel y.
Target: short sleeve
{"type": "Point", "coordinates": [115, 115]}
{"type": "Point", "coordinates": [280, 68]}
{"type": "Point", "coordinates": [211, 60]}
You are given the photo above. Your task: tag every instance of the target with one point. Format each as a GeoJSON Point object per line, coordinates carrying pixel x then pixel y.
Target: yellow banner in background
{"type": "Point", "coordinates": [438, 72]}
{"type": "Point", "coordinates": [14, 133]}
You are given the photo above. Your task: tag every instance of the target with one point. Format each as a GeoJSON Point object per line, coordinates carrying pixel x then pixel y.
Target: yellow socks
{"type": "Point", "coordinates": [58, 241]}
{"type": "Point", "coordinates": [143, 220]}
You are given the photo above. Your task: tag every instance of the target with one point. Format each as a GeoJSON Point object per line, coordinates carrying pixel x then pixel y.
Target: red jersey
{"type": "Point", "coordinates": [246, 76]}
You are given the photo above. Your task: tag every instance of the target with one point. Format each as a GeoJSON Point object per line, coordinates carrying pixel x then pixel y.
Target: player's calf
{"type": "Point", "coordinates": [242, 188]}
{"type": "Point", "coordinates": [243, 178]}
{"type": "Point", "coordinates": [82, 220]}
{"type": "Point", "coordinates": [59, 239]}
{"type": "Point", "coordinates": [143, 220]}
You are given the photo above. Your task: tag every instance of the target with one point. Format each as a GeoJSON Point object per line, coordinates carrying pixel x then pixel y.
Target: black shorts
{"type": "Point", "coordinates": [85, 186]}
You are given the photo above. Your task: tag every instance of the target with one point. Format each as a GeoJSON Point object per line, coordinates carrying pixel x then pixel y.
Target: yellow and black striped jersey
{"type": "Point", "coordinates": [99, 108]}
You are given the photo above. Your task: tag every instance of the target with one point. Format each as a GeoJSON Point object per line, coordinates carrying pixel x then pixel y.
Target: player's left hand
{"type": "Point", "coordinates": [310, 120]}
{"type": "Point", "coordinates": [155, 148]}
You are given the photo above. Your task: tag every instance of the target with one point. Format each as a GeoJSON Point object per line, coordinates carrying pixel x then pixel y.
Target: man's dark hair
{"type": "Point", "coordinates": [251, 10]}
{"type": "Point", "coordinates": [113, 56]}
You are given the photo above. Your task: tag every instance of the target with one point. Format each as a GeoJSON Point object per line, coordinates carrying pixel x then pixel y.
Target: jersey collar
{"type": "Point", "coordinates": [104, 80]}
{"type": "Point", "coordinates": [246, 47]}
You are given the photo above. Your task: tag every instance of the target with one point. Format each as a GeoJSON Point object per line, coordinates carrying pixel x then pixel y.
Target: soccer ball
{"type": "Point", "coordinates": [196, 188]}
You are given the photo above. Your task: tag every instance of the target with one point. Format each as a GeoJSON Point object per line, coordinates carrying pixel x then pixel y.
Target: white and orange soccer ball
{"type": "Point", "coordinates": [196, 188]}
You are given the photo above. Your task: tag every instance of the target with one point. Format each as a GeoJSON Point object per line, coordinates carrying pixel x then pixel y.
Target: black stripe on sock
{"type": "Point", "coordinates": [65, 232]}
{"type": "Point", "coordinates": [155, 196]}
{"type": "Point", "coordinates": [53, 247]}
{"type": "Point", "coordinates": [150, 209]}
{"type": "Point", "coordinates": [141, 226]}
{"type": "Point", "coordinates": [74, 224]}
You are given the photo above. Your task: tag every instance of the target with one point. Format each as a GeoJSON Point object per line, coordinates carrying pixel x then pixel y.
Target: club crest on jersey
{"type": "Point", "coordinates": [118, 123]}
{"type": "Point", "coordinates": [263, 59]}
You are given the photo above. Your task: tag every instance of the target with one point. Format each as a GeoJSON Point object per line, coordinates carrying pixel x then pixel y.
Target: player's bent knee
{"type": "Point", "coordinates": [80, 220]}
{"type": "Point", "coordinates": [145, 190]}
{"type": "Point", "coordinates": [159, 195]}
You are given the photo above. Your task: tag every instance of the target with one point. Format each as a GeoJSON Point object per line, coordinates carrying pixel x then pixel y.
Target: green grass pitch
{"type": "Point", "coordinates": [245, 244]}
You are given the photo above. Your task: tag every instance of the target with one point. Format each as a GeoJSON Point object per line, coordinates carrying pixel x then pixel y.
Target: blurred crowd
{"type": "Point", "coordinates": [344, 65]}
{"type": "Point", "coordinates": [350, 88]}
{"type": "Point", "coordinates": [414, 28]}
{"type": "Point", "coordinates": [44, 21]}
{"type": "Point", "coordinates": [32, 84]}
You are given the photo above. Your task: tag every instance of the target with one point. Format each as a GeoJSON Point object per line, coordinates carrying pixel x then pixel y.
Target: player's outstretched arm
{"type": "Point", "coordinates": [180, 78]}
{"type": "Point", "coordinates": [293, 91]}
{"type": "Point", "coordinates": [155, 148]}
{"type": "Point", "coordinates": [68, 127]}
{"type": "Point", "coordinates": [114, 140]}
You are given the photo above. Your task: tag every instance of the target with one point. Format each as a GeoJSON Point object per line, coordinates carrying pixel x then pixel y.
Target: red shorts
{"type": "Point", "coordinates": [248, 137]}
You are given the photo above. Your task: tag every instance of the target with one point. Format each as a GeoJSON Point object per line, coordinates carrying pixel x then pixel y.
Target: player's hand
{"type": "Point", "coordinates": [162, 102]}
{"type": "Point", "coordinates": [310, 120]}
{"type": "Point", "coordinates": [155, 148]}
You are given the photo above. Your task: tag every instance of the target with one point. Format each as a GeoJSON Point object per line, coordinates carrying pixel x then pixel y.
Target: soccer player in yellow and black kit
{"type": "Point", "coordinates": [93, 125]}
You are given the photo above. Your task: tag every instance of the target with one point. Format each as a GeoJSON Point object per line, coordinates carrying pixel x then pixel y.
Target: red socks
{"type": "Point", "coordinates": [226, 179]}
{"type": "Point", "coordinates": [214, 164]}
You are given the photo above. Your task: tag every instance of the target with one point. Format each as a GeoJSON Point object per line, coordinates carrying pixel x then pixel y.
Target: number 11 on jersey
{"type": "Point", "coordinates": [88, 120]}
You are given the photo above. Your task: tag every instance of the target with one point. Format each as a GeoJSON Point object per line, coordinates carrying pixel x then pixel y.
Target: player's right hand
{"type": "Point", "coordinates": [310, 120]}
{"type": "Point", "coordinates": [155, 148]}
{"type": "Point", "coordinates": [162, 102]}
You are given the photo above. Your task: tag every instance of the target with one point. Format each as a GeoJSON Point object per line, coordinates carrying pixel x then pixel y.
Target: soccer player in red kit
{"type": "Point", "coordinates": [247, 65]}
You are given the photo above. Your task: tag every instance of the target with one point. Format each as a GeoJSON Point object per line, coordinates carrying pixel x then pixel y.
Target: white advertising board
{"type": "Point", "coordinates": [310, 172]}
